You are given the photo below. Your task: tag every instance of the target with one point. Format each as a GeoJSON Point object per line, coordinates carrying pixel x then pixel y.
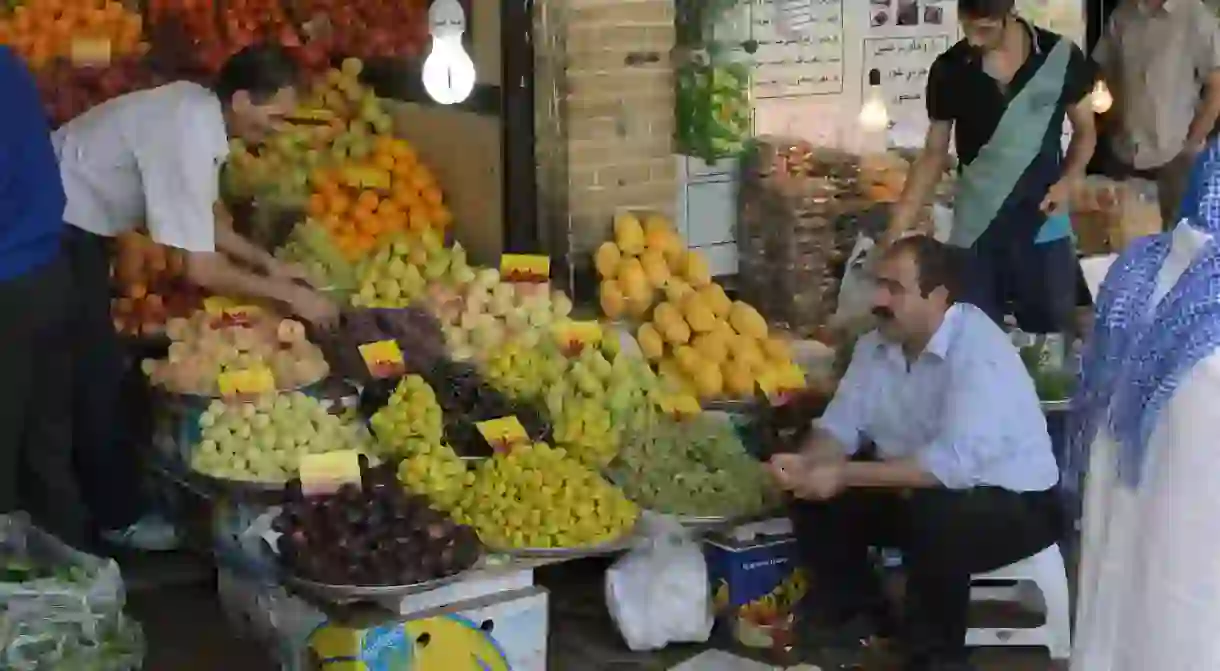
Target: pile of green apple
{"type": "Point", "coordinates": [265, 440]}
{"type": "Point", "coordinates": [403, 267]}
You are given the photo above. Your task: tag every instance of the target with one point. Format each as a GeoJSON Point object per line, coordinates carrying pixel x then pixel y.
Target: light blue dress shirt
{"type": "Point", "coordinates": [966, 409]}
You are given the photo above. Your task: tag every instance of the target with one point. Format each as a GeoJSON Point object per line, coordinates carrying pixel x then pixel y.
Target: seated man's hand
{"type": "Point", "coordinates": [807, 477]}
{"type": "Point", "coordinates": [823, 481]}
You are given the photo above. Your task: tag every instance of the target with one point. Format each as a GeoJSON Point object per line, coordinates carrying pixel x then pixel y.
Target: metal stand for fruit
{"type": "Point", "coordinates": [345, 594]}
{"type": "Point", "coordinates": [620, 544]}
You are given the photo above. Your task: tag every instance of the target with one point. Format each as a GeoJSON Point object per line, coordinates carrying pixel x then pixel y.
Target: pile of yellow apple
{"type": "Point", "coordinates": [708, 345]}
{"type": "Point", "coordinates": [645, 257]}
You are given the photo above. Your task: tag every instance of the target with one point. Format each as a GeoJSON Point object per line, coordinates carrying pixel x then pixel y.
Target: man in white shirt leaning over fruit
{"type": "Point", "coordinates": [155, 156]}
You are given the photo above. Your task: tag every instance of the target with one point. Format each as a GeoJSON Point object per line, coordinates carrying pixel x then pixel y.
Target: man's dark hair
{"type": "Point", "coordinates": [939, 265]}
{"type": "Point", "coordinates": [261, 70]}
{"type": "Point", "coordinates": [984, 9]}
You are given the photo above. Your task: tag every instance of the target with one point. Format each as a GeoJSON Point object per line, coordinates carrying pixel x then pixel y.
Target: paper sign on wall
{"type": "Point", "coordinates": [904, 63]}
{"type": "Point", "coordinates": [802, 59]}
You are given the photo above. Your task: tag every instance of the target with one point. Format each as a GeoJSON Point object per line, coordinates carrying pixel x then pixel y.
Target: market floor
{"type": "Point", "coordinates": [175, 599]}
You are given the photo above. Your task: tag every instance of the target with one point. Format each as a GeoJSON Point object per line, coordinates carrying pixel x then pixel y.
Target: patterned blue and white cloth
{"type": "Point", "coordinates": [1140, 353]}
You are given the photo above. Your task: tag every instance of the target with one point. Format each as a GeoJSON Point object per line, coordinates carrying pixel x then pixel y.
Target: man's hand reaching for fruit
{"type": "Point", "coordinates": [313, 307]}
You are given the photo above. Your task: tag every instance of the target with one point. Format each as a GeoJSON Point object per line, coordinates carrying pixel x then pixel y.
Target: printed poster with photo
{"type": "Point", "coordinates": [908, 17]}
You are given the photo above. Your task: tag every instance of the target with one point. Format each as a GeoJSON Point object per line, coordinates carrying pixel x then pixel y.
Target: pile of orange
{"type": "Point", "coordinates": [405, 197]}
{"type": "Point", "coordinates": [45, 30]}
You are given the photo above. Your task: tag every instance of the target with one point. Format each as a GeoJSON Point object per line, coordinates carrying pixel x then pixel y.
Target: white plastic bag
{"type": "Point", "coordinates": [856, 290]}
{"type": "Point", "coordinates": [658, 594]}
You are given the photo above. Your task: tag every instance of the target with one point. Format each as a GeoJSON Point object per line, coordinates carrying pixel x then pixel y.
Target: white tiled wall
{"type": "Point", "coordinates": [707, 210]}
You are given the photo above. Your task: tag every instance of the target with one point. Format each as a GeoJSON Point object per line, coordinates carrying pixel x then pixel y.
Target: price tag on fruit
{"type": "Point", "coordinates": [503, 434]}
{"type": "Point", "coordinates": [525, 267]}
{"type": "Point", "coordinates": [779, 386]}
{"type": "Point", "coordinates": [367, 177]}
{"type": "Point", "coordinates": [90, 51]}
{"type": "Point", "coordinates": [240, 315]}
{"type": "Point", "coordinates": [383, 358]}
{"type": "Point", "coordinates": [573, 336]}
{"type": "Point", "coordinates": [215, 306]}
{"type": "Point", "coordinates": [325, 473]}
{"type": "Point", "coordinates": [246, 382]}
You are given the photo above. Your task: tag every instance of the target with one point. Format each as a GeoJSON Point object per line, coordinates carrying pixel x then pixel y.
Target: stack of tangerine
{"type": "Point", "coordinates": [359, 204]}
{"type": "Point", "coordinates": [45, 30]}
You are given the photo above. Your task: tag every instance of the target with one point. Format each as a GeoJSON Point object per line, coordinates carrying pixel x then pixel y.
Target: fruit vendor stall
{"type": "Point", "coordinates": [399, 477]}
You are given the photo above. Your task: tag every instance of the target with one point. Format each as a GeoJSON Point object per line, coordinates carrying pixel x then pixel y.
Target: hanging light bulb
{"type": "Point", "coordinates": [874, 116]}
{"type": "Point", "coordinates": [1100, 99]}
{"type": "Point", "coordinates": [448, 72]}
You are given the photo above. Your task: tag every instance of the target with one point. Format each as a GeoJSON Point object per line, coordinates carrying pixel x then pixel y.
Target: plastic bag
{"type": "Point", "coordinates": [658, 594]}
{"type": "Point", "coordinates": [62, 608]}
{"type": "Point", "coordinates": [856, 289]}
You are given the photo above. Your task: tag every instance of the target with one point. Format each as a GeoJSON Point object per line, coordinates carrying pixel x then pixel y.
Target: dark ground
{"type": "Point", "coordinates": [174, 597]}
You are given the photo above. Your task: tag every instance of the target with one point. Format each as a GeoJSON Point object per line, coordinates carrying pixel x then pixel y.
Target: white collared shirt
{"type": "Point", "coordinates": [966, 408]}
{"type": "Point", "coordinates": [151, 156]}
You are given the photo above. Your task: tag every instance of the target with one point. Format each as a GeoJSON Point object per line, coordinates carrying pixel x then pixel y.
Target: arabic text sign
{"type": "Point", "coordinates": [904, 63]}
{"type": "Point", "coordinates": [804, 57]}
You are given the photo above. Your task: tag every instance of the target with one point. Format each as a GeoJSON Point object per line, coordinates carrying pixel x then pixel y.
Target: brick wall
{"type": "Point", "coordinates": [605, 122]}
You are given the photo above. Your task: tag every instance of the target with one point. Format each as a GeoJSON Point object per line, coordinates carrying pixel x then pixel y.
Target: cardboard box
{"type": "Point", "coordinates": [753, 571]}
{"type": "Point", "coordinates": [504, 630]}
{"type": "Point", "coordinates": [496, 633]}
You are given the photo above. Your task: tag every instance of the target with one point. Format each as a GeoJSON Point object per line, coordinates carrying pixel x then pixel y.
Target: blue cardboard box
{"type": "Point", "coordinates": [753, 572]}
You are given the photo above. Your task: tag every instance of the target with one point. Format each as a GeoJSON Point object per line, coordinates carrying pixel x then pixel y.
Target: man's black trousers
{"type": "Point", "coordinates": [35, 402]}
{"type": "Point", "coordinates": [105, 461]}
{"type": "Point", "coordinates": [945, 537]}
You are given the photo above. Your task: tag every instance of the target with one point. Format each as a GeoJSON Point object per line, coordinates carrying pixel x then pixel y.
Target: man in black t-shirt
{"type": "Point", "coordinates": [1002, 93]}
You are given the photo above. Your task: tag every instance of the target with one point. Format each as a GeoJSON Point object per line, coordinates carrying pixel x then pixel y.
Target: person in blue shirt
{"type": "Point", "coordinates": [35, 370]}
{"type": "Point", "coordinates": [961, 478]}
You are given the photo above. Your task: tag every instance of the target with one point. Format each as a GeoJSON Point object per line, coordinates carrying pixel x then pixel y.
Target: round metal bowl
{"type": "Point", "coordinates": [1062, 405]}
{"type": "Point", "coordinates": [609, 547]}
{"type": "Point", "coordinates": [353, 593]}
{"type": "Point", "coordinates": [238, 490]}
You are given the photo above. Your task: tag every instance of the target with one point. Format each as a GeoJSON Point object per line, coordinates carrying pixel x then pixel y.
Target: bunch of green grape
{"type": "Point", "coordinates": [537, 496]}
{"type": "Point", "coordinates": [696, 467]}
{"type": "Point", "coordinates": [411, 423]}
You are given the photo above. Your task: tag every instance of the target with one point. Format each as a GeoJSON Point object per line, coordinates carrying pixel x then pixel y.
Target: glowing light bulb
{"type": "Point", "coordinates": [873, 114]}
{"type": "Point", "coordinates": [448, 72]}
{"type": "Point", "coordinates": [1100, 99]}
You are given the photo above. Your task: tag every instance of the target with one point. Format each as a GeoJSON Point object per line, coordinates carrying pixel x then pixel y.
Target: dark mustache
{"type": "Point", "coordinates": [883, 313]}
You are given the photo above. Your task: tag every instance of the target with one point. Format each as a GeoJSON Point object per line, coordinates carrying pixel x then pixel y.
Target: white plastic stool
{"type": "Point", "coordinates": [1041, 585]}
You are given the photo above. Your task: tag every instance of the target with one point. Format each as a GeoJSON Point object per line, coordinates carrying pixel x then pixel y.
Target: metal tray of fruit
{"type": "Point", "coordinates": [245, 490]}
{"type": "Point", "coordinates": [609, 547]}
{"type": "Point", "coordinates": [1061, 405]}
{"type": "Point", "coordinates": [340, 594]}
{"type": "Point", "coordinates": [737, 406]}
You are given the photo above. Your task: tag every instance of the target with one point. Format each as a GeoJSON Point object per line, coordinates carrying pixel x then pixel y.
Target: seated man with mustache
{"type": "Point", "coordinates": [963, 477]}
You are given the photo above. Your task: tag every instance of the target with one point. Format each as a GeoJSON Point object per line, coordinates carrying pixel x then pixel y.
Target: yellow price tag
{"type": "Point", "coordinates": [574, 336]}
{"type": "Point", "coordinates": [325, 473]}
{"type": "Point", "coordinates": [504, 433]}
{"type": "Point", "coordinates": [216, 305]}
{"type": "Point", "coordinates": [778, 386]}
{"type": "Point", "coordinates": [247, 382]}
{"type": "Point", "coordinates": [525, 267]}
{"type": "Point", "coordinates": [90, 51]}
{"type": "Point", "coordinates": [383, 358]}
{"type": "Point", "coordinates": [367, 177]}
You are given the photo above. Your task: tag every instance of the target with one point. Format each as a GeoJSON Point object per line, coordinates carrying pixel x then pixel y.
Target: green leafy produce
{"type": "Point", "coordinates": [694, 467]}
